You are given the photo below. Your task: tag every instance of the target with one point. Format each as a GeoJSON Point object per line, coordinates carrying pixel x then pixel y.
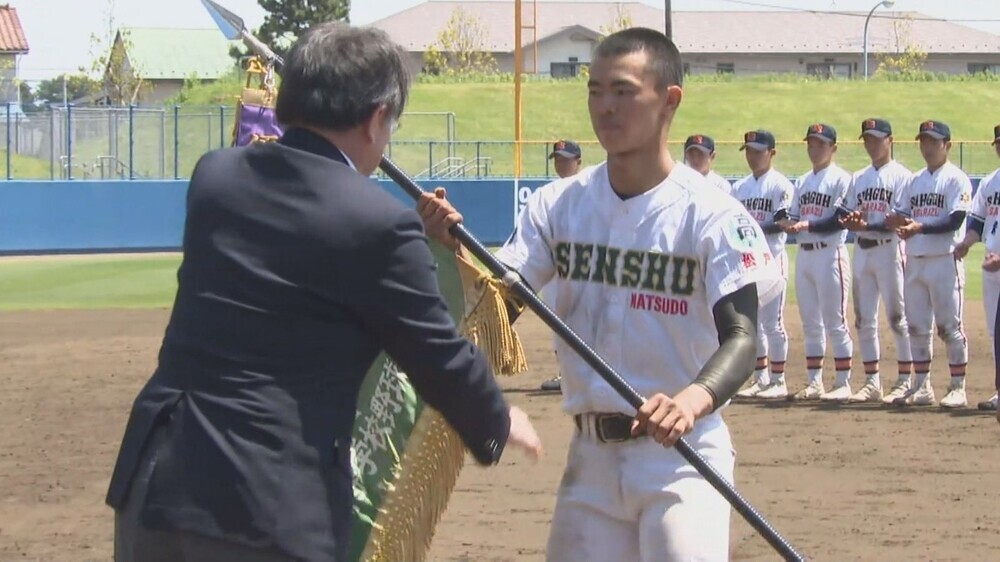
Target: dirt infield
{"type": "Point", "coordinates": [842, 483]}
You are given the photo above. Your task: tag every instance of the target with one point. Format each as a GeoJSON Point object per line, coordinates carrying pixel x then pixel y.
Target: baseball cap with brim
{"type": "Point", "coordinates": [700, 142]}
{"type": "Point", "coordinates": [821, 131]}
{"type": "Point", "coordinates": [996, 135]}
{"type": "Point", "coordinates": [935, 130]}
{"type": "Point", "coordinates": [758, 140]}
{"type": "Point", "coordinates": [567, 149]}
{"type": "Point", "coordinates": [879, 128]}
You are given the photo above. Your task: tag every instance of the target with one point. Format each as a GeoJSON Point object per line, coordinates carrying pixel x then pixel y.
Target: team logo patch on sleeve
{"type": "Point", "coordinates": [743, 234]}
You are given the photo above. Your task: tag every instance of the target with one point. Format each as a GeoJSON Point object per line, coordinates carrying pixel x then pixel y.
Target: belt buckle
{"type": "Point", "coordinates": [601, 433]}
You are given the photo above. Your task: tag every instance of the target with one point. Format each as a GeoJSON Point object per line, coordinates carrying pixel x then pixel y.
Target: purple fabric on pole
{"type": "Point", "coordinates": [256, 124]}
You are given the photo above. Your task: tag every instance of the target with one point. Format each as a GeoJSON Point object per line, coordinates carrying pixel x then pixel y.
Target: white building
{"type": "Point", "coordinates": [740, 42]}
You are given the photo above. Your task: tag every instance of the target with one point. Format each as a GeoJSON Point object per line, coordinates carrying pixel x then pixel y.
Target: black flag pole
{"type": "Point", "coordinates": [233, 28]}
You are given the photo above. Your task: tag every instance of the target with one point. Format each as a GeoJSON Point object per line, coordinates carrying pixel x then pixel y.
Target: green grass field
{"type": "Point", "coordinates": [484, 122]}
{"type": "Point", "coordinates": [149, 281]}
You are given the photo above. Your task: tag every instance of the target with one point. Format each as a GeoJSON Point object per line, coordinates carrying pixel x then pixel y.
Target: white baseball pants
{"type": "Point", "coordinates": [878, 276]}
{"type": "Point", "coordinates": [821, 283]}
{"type": "Point", "coordinates": [934, 289]}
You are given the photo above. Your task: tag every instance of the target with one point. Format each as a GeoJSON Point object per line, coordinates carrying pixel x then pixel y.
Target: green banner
{"type": "Point", "coordinates": [388, 411]}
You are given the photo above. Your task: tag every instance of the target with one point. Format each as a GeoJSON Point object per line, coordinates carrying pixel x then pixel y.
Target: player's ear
{"type": "Point", "coordinates": [672, 100]}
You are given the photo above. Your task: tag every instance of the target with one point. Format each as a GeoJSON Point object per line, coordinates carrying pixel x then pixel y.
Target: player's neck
{"type": "Point", "coordinates": [635, 173]}
{"type": "Point", "coordinates": [877, 164]}
{"type": "Point", "coordinates": [935, 167]}
{"type": "Point", "coordinates": [817, 168]}
{"type": "Point", "coordinates": [761, 173]}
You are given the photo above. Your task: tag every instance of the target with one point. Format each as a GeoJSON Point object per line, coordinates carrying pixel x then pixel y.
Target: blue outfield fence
{"type": "Point", "coordinates": [38, 217]}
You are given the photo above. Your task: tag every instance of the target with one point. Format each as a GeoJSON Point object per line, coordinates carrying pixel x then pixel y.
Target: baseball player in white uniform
{"type": "Point", "coordinates": [568, 160]}
{"type": "Point", "coordinates": [699, 154]}
{"type": "Point", "coordinates": [767, 194]}
{"type": "Point", "coordinates": [878, 260]}
{"type": "Point", "coordinates": [653, 269]}
{"type": "Point", "coordinates": [982, 225]}
{"type": "Point", "coordinates": [822, 269]}
{"type": "Point", "coordinates": [931, 219]}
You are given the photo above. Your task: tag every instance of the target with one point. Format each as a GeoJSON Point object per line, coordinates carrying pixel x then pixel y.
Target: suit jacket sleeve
{"type": "Point", "coordinates": [402, 304]}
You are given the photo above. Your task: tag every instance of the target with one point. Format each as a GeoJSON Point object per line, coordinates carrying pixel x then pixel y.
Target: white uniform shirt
{"type": "Point", "coordinates": [637, 279]}
{"type": "Point", "coordinates": [931, 199]}
{"type": "Point", "coordinates": [719, 181]}
{"type": "Point", "coordinates": [877, 191]}
{"type": "Point", "coordinates": [986, 207]}
{"type": "Point", "coordinates": [763, 197]}
{"type": "Point", "coordinates": [816, 198]}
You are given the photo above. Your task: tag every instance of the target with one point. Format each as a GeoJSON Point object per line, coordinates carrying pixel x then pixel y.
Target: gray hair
{"type": "Point", "coordinates": [664, 59]}
{"type": "Point", "coordinates": [335, 76]}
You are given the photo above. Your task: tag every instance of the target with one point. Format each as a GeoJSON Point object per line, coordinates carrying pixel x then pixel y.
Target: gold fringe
{"type": "Point", "coordinates": [414, 503]}
{"type": "Point", "coordinates": [426, 475]}
{"type": "Point", "coordinates": [487, 322]}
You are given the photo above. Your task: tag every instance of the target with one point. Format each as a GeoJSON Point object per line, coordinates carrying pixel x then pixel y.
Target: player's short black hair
{"type": "Point", "coordinates": [335, 76]}
{"type": "Point", "coordinates": [664, 59]}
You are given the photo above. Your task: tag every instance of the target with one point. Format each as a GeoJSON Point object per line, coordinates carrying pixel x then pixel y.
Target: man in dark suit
{"type": "Point", "coordinates": [297, 271]}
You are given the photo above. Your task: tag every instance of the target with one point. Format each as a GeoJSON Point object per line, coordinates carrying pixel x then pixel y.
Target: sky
{"type": "Point", "coordinates": [60, 32]}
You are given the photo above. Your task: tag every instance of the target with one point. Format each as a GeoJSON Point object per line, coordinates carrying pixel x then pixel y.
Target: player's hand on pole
{"type": "Point", "coordinates": [439, 215]}
{"type": "Point", "coordinates": [991, 262]}
{"type": "Point", "coordinates": [668, 419]}
{"type": "Point", "coordinates": [523, 435]}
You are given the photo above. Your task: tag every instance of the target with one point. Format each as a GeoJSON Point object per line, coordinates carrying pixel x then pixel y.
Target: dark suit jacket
{"type": "Point", "coordinates": [297, 270]}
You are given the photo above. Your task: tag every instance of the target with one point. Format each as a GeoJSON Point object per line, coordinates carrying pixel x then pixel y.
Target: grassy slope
{"type": "Point", "coordinates": [558, 109]}
{"type": "Point", "coordinates": [74, 282]}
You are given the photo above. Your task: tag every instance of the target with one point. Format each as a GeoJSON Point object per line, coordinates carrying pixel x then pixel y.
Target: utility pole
{"type": "Point", "coordinates": [668, 27]}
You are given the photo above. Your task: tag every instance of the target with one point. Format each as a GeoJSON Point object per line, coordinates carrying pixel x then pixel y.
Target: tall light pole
{"type": "Point", "coordinates": [668, 24]}
{"type": "Point", "coordinates": [887, 4]}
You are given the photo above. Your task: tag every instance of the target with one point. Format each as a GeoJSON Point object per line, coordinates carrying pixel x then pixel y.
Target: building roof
{"type": "Point", "coordinates": [697, 32]}
{"type": "Point", "coordinates": [177, 54]}
{"type": "Point", "coordinates": [12, 39]}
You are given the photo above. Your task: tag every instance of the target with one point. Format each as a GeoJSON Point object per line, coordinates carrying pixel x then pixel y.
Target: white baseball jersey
{"type": "Point", "coordinates": [817, 197]}
{"type": "Point", "coordinates": [930, 199]}
{"type": "Point", "coordinates": [719, 181]}
{"type": "Point", "coordinates": [876, 192]}
{"type": "Point", "coordinates": [986, 207]}
{"type": "Point", "coordinates": [763, 197]}
{"type": "Point", "coordinates": [637, 278]}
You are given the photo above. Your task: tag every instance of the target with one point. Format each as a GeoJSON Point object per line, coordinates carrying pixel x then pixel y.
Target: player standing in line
{"type": "Point", "coordinates": [931, 219]}
{"type": "Point", "coordinates": [878, 260]}
{"type": "Point", "coordinates": [699, 153]}
{"type": "Point", "coordinates": [767, 193]}
{"type": "Point", "coordinates": [568, 160]}
{"type": "Point", "coordinates": [822, 269]}
{"type": "Point", "coordinates": [661, 276]}
{"type": "Point", "coordinates": [982, 225]}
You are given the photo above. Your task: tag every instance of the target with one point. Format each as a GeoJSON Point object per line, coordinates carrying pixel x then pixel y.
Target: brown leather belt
{"type": "Point", "coordinates": [866, 244]}
{"type": "Point", "coordinates": [606, 428]}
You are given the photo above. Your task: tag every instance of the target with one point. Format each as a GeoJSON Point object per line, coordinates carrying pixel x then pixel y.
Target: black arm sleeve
{"type": "Point", "coordinates": [772, 227]}
{"type": "Point", "coordinates": [829, 224]}
{"type": "Point", "coordinates": [733, 363]}
{"type": "Point", "coordinates": [877, 227]}
{"type": "Point", "coordinates": [977, 225]}
{"type": "Point", "coordinates": [955, 220]}
{"type": "Point", "coordinates": [405, 310]}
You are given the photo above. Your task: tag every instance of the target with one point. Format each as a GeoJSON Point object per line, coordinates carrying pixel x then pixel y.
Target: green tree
{"type": "Point", "coordinates": [121, 76]}
{"type": "Point", "coordinates": [621, 19]}
{"type": "Point", "coordinates": [460, 48]}
{"type": "Point", "coordinates": [27, 95]}
{"type": "Point", "coordinates": [77, 86]}
{"type": "Point", "coordinates": [287, 19]}
{"type": "Point", "coordinates": [907, 58]}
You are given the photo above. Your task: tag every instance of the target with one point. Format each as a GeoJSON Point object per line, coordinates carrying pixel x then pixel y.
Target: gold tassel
{"type": "Point", "coordinates": [427, 472]}
{"type": "Point", "coordinates": [414, 504]}
{"type": "Point", "coordinates": [487, 322]}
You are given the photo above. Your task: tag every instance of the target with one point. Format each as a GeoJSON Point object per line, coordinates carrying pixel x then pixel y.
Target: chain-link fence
{"type": "Point", "coordinates": [165, 143]}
